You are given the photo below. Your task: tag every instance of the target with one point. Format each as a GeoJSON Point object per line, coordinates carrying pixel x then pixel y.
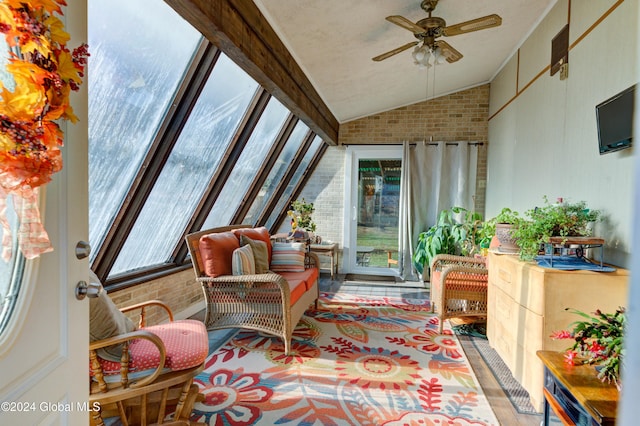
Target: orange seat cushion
{"type": "Point", "coordinates": [309, 276]}
{"type": "Point", "coordinates": [216, 251]}
{"type": "Point", "coordinates": [186, 344]}
{"type": "Point", "coordinates": [296, 288]}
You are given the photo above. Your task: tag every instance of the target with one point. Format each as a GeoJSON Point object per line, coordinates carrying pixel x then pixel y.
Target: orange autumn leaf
{"type": "Point", "coordinates": [54, 113]}
{"type": "Point", "coordinates": [48, 5]}
{"type": "Point", "coordinates": [69, 114]}
{"type": "Point", "coordinates": [6, 143]}
{"type": "Point", "coordinates": [27, 71]}
{"type": "Point", "coordinates": [66, 68]}
{"type": "Point", "coordinates": [53, 135]}
{"type": "Point", "coordinates": [24, 103]}
{"type": "Point", "coordinates": [6, 16]}
{"type": "Point", "coordinates": [56, 27]}
{"type": "Point", "coordinates": [39, 44]}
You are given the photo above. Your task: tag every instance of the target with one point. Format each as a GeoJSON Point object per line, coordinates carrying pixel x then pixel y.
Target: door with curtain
{"type": "Point", "coordinates": [373, 194]}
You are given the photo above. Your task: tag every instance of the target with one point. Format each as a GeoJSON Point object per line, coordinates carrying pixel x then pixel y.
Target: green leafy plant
{"type": "Point", "coordinates": [300, 214]}
{"type": "Point", "coordinates": [457, 231]}
{"type": "Point", "coordinates": [508, 216]}
{"type": "Point", "coordinates": [598, 340]}
{"type": "Point", "coordinates": [552, 220]}
{"type": "Point", "coordinates": [488, 230]}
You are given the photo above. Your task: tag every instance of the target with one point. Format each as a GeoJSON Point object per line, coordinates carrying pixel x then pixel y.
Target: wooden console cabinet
{"type": "Point", "coordinates": [526, 303]}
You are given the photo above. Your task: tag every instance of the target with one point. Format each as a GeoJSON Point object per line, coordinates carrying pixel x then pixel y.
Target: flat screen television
{"type": "Point", "coordinates": [615, 121]}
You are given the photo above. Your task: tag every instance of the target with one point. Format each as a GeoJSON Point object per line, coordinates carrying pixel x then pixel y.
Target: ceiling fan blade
{"type": "Point", "coordinates": [488, 21]}
{"type": "Point", "coordinates": [451, 54]}
{"type": "Point", "coordinates": [395, 51]}
{"type": "Point", "coordinates": [405, 23]}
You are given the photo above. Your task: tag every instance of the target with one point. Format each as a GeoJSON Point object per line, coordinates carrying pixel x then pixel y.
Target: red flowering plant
{"type": "Point", "coordinates": [44, 73]}
{"type": "Point", "coordinates": [598, 340]}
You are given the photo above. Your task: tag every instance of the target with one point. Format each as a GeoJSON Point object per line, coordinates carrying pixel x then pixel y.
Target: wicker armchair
{"type": "Point", "coordinates": [458, 287]}
{"type": "Point", "coordinates": [154, 373]}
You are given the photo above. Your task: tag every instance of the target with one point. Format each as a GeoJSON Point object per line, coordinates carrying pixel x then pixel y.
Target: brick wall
{"type": "Point", "coordinates": [180, 291]}
{"type": "Point", "coordinates": [325, 189]}
{"type": "Point", "coordinates": [461, 116]}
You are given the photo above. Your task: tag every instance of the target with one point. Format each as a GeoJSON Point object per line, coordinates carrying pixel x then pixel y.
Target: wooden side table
{"type": "Point", "coordinates": [330, 250]}
{"type": "Point", "coordinates": [574, 394]}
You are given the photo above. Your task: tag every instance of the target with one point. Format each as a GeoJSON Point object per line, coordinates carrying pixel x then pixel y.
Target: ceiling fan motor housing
{"type": "Point", "coordinates": [432, 27]}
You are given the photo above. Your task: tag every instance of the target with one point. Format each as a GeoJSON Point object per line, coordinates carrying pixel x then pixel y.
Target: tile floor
{"type": "Point", "coordinates": [412, 290]}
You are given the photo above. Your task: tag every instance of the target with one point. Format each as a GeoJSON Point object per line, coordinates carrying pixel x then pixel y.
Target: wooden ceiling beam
{"type": "Point", "coordinates": [238, 28]}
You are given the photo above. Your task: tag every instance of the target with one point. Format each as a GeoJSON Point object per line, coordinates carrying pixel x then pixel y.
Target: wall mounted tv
{"type": "Point", "coordinates": [615, 121]}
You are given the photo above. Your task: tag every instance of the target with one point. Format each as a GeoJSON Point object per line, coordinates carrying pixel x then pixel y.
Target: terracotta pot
{"type": "Point", "coordinates": [507, 243]}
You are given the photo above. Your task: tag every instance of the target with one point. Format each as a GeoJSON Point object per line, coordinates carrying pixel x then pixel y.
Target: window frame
{"type": "Point", "coordinates": [195, 78]}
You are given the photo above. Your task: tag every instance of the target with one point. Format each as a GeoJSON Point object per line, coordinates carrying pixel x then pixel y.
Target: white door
{"type": "Point", "coordinates": [372, 193]}
{"type": "Point", "coordinates": [44, 353]}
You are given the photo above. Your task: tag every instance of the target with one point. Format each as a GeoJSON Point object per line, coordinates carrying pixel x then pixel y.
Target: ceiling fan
{"type": "Point", "coordinates": [428, 29]}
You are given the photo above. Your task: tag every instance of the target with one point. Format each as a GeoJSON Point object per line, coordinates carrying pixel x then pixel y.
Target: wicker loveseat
{"type": "Point", "coordinates": [271, 297]}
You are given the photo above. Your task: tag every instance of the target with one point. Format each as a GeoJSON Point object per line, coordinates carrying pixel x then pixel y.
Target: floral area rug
{"type": "Point", "coordinates": [354, 361]}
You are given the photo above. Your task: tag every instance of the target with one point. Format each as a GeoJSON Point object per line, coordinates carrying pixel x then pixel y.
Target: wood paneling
{"type": "Point", "coordinates": [239, 29]}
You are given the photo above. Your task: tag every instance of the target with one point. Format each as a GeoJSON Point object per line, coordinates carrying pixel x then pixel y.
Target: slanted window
{"type": "Point", "coordinates": [133, 76]}
{"type": "Point", "coordinates": [295, 180]}
{"type": "Point", "coordinates": [277, 173]}
{"type": "Point", "coordinates": [179, 139]}
{"type": "Point", "coordinates": [186, 174]}
{"type": "Point", "coordinates": [251, 160]}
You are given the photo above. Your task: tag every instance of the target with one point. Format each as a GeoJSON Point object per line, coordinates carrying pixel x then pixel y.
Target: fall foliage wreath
{"type": "Point", "coordinates": [44, 73]}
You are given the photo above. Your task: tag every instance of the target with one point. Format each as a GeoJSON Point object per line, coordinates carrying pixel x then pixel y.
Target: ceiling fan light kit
{"type": "Point", "coordinates": [428, 51]}
{"type": "Point", "coordinates": [426, 57]}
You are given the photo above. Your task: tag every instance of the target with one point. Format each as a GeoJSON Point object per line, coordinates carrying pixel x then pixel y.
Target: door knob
{"type": "Point", "coordinates": [83, 249]}
{"type": "Point", "coordinates": [91, 290]}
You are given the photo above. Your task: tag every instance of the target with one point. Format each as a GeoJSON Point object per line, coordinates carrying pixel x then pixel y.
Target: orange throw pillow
{"type": "Point", "coordinates": [216, 251]}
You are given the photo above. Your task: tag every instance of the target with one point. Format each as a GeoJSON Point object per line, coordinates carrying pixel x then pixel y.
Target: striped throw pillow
{"type": "Point", "coordinates": [242, 261]}
{"type": "Point", "coordinates": [288, 257]}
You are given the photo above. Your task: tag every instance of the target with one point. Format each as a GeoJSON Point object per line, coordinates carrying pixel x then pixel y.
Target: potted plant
{"type": "Point", "coordinates": [551, 220]}
{"type": "Point", "coordinates": [458, 231]}
{"type": "Point", "coordinates": [300, 214]}
{"type": "Point", "coordinates": [504, 223]}
{"type": "Point", "coordinates": [599, 341]}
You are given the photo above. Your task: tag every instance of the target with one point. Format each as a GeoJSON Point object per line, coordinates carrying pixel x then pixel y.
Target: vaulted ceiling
{"type": "Point", "coordinates": [333, 42]}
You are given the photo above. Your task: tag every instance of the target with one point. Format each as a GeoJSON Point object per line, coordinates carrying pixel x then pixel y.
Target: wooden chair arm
{"type": "Point", "coordinates": [124, 361]}
{"type": "Point", "coordinates": [143, 305]}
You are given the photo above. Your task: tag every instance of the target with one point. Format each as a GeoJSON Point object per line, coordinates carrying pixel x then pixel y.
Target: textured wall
{"type": "Point", "coordinates": [543, 132]}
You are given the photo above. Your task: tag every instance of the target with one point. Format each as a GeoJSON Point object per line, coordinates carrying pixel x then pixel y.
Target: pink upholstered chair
{"type": "Point", "coordinates": [142, 374]}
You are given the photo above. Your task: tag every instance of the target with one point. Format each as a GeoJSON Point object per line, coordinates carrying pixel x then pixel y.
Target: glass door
{"type": "Point", "coordinates": [371, 237]}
